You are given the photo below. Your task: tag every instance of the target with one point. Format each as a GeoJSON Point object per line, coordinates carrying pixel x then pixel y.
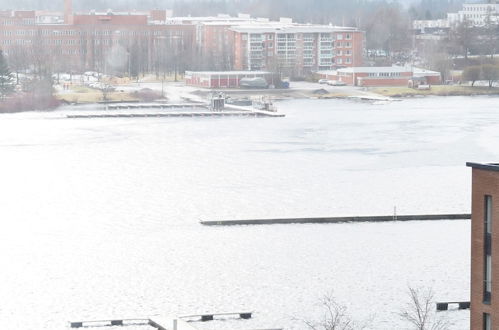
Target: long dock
{"type": "Point", "coordinates": [178, 114]}
{"type": "Point", "coordinates": [155, 106]}
{"type": "Point", "coordinates": [382, 218]}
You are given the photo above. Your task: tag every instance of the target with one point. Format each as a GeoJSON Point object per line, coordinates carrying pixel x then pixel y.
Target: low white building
{"type": "Point", "coordinates": [475, 13]}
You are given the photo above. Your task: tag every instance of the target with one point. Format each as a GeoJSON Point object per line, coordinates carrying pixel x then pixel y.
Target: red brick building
{"type": "Point", "coordinates": [94, 41]}
{"type": "Point", "coordinates": [302, 48]}
{"type": "Point", "coordinates": [484, 251]}
{"type": "Point", "coordinates": [380, 76]}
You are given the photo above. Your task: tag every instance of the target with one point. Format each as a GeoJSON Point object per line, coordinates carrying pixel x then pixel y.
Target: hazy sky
{"type": "Point", "coordinates": [100, 4]}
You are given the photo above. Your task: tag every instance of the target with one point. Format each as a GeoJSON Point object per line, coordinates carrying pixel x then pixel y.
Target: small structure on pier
{"type": "Point", "coordinates": [217, 102]}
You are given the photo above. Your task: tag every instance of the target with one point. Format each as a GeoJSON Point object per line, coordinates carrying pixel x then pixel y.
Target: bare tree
{"type": "Point", "coordinates": [472, 74]}
{"type": "Point", "coordinates": [463, 38]}
{"type": "Point", "coordinates": [335, 316]}
{"type": "Point", "coordinates": [420, 312]}
{"type": "Point", "coordinates": [490, 73]}
{"type": "Point", "coordinates": [490, 36]}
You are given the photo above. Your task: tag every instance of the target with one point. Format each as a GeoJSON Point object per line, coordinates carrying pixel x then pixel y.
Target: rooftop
{"type": "Point", "coordinates": [226, 72]}
{"type": "Point", "coordinates": [269, 27]}
{"type": "Point", "coordinates": [375, 69]}
{"type": "Point", "coordinates": [484, 166]}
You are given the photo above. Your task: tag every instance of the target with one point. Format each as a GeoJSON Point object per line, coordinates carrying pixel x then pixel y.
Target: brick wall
{"type": "Point", "coordinates": [484, 183]}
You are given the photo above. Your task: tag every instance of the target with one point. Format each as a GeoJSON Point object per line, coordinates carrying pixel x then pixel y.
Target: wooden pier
{"type": "Point", "coordinates": [383, 218]}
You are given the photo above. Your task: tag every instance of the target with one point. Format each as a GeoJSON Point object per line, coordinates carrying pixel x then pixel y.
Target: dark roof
{"type": "Point", "coordinates": [484, 166]}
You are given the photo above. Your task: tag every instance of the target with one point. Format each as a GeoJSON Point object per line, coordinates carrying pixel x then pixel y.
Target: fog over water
{"type": "Point", "coordinates": [100, 216]}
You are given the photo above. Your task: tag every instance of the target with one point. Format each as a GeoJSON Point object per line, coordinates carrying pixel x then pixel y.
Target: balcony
{"type": "Point", "coordinates": [486, 292]}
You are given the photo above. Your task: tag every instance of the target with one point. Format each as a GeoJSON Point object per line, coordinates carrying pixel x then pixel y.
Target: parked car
{"type": "Point", "coordinates": [336, 83]}
{"type": "Point", "coordinates": [256, 82]}
{"type": "Point", "coordinates": [322, 81]}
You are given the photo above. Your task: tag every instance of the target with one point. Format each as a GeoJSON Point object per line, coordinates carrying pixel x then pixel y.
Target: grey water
{"type": "Point", "coordinates": [100, 217]}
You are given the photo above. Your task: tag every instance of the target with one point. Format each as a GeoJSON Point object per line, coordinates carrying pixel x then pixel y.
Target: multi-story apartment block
{"type": "Point", "coordinates": [484, 250]}
{"type": "Point", "coordinates": [303, 48]}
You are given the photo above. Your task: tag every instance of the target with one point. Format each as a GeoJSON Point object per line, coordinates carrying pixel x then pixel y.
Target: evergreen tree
{"type": "Point", "coordinates": [6, 79]}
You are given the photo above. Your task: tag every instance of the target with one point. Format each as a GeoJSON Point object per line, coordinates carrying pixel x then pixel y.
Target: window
{"type": "Point", "coordinates": [486, 322]}
{"type": "Point", "coordinates": [487, 272]}
{"type": "Point", "coordinates": [488, 214]}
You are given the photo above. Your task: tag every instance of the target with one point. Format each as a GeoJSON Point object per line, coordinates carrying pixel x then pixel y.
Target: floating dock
{"type": "Point", "coordinates": [443, 306]}
{"type": "Point", "coordinates": [160, 323]}
{"type": "Point", "coordinates": [109, 323]}
{"type": "Point", "coordinates": [211, 316]}
{"type": "Point", "coordinates": [382, 218]}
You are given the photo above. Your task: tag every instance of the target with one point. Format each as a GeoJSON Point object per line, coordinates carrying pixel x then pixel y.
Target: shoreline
{"type": "Point", "coordinates": [182, 93]}
{"type": "Point", "coordinates": [437, 90]}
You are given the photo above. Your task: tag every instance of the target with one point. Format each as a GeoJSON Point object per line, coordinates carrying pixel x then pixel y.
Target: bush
{"type": "Point", "coordinates": [28, 102]}
{"type": "Point", "coordinates": [147, 95]}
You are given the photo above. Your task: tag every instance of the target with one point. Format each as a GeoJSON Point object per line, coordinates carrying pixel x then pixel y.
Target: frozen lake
{"type": "Point", "coordinates": [100, 216]}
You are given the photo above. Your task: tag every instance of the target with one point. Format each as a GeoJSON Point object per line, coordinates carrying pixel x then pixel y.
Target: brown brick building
{"type": "Point", "coordinates": [484, 250]}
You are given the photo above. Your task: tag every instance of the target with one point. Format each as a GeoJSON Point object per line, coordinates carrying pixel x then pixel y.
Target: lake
{"type": "Point", "coordinates": [100, 217]}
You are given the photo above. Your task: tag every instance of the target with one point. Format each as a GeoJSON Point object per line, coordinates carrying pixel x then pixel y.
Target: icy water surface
{"type": "Point", "coordinates": [100, 216]}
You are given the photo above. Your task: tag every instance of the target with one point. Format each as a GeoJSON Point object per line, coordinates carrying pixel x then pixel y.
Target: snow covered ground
{"type": "Point", "coordinates": [100, 216]}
